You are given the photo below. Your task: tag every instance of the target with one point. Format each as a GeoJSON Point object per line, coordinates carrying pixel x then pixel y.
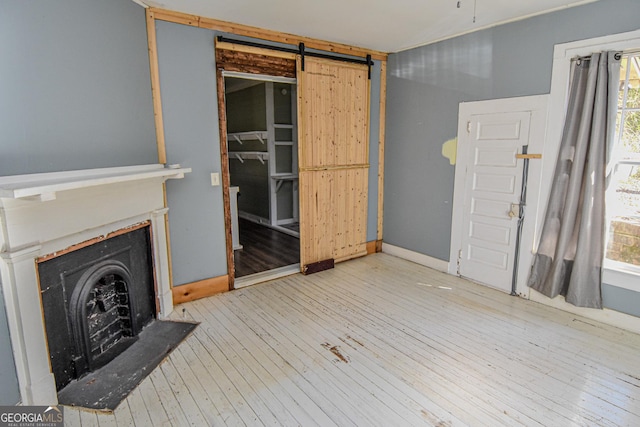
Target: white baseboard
{"type": "Point", "coordinates": [418, 258]}
{"type": "Point", "coordinates": [253, 218]}
{"type": "Point", "coordinates": [606, 316]}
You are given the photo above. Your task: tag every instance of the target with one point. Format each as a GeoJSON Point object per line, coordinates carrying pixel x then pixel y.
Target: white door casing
{"type": "Point", "coordinates": [488, 179]}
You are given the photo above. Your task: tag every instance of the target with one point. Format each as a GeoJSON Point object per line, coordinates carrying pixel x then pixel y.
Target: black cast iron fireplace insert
{"type": "Point", "coordinates": [100, 311]}
{"type": "Point", "coordinates": [96, 300]}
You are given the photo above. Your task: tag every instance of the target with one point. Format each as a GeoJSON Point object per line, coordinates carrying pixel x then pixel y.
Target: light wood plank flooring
{"type": "Point", "coordinates": [380, 341]}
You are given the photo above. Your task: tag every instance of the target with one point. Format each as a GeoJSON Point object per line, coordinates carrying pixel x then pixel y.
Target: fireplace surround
{"type": "Point", "coordinates": [43, 216]}
{"type": "Point", "coordinates": [96, 300]}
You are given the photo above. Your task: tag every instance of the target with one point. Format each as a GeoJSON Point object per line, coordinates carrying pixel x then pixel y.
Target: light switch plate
{"type": "Point", "coordinates": [215, 179]}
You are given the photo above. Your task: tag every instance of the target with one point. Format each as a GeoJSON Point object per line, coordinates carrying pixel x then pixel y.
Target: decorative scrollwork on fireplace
{"type": "Point", "coordinates": [100, 309]}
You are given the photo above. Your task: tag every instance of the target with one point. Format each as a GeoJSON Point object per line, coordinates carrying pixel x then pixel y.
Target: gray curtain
{"type": "Point", "coordinates": [571, 249]}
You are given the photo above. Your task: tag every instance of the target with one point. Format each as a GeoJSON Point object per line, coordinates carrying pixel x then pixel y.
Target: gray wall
{"type": "Point", "coordinates": [425, 86]}
{"type": "Point", "coordinates": [190, 111]}
{"type": "Point", "coordinates": [621, 299]}
{"type": "Point", "coordinates": [247, 109]}
{"type": "Point", "coordinates": [74, 79]}
{"type": "Point", "coordinates": [253, 179]}
{"type": "Point", "coordinates": [9, 391]}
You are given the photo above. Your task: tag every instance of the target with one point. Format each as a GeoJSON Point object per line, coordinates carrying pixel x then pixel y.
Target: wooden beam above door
{"type": "Point", "coordinates": [254, 50]}
{"type": "Point", "coordinates": [260, 33]}
{"type": "Point", "coordinates": [254, 63]}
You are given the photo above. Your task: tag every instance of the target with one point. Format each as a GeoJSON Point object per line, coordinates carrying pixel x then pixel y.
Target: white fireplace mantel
{"type": "Point", "coordinates": [44, 186]}
{"type": "Point", "coordinates": [41, 214]}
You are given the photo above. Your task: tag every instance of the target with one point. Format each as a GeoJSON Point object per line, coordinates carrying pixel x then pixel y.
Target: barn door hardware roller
{"type": "Point", "coordinates": [301, 50]}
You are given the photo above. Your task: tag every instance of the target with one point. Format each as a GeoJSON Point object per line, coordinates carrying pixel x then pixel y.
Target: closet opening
{"type": "Point", "coordinates": [261, 118]}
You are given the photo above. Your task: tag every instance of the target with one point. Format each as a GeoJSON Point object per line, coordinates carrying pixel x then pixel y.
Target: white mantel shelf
{"type": "Point", "coordinates": [44, 186]}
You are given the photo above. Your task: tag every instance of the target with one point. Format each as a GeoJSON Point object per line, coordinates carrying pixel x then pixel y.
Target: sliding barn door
{"type": "Point", "coordinates": [333, 126]}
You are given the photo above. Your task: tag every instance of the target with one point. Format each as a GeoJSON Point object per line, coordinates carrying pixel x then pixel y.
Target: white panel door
{"type": "Point", "coordinates": [492, 188]}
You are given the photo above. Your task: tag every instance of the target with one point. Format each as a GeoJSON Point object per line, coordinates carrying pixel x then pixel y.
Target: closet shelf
{"type": "Point", "coordinates": [261, 156]}
{"type": "Point", "coordinates": [284, 176]}
{"type": "Point", "coordinates": [260, 135]}
{"type": "Point", "coordinates": [281, 178]}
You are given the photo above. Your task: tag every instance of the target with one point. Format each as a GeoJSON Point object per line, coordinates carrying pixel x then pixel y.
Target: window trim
{"type": "Point", "coordinates": [608, 263]}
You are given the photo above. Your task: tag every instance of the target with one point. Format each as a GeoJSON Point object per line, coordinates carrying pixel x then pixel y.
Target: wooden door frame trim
{"type": "Point", "coordinates": [260, 33]}
{"type": "Point", "coordinates": [154, 75]}
{"type": "Point", "coordinates": [155, 86]}
{"type": "Point", "coordinates": [226, 176]}
{"type": "Point", "coordinates": [381, 139]}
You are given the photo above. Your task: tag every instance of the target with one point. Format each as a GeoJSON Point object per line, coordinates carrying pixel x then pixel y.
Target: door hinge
{"type": "Point", "coordinates": [458, 262]}
{"type": "Point", "coordinates": [469, 126]}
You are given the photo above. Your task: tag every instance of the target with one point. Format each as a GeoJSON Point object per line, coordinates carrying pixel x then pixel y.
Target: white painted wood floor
{"type": "Point", "coordinates": [380, 341]}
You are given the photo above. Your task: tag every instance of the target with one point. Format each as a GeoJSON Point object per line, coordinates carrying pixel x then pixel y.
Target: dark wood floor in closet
{"type": "Point", "coordinates": [264, 249]}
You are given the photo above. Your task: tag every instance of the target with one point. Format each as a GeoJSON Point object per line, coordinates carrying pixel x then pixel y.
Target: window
{"type": "Point", "coordinates": [623, 193]}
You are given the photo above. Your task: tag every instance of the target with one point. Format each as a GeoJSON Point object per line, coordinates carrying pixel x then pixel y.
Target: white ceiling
{"type": "Point", "coordinates": [384, 25]}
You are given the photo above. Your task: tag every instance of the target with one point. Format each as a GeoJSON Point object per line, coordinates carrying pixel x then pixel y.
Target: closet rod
{"type": "Point", "coordinates": [301, 50]}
